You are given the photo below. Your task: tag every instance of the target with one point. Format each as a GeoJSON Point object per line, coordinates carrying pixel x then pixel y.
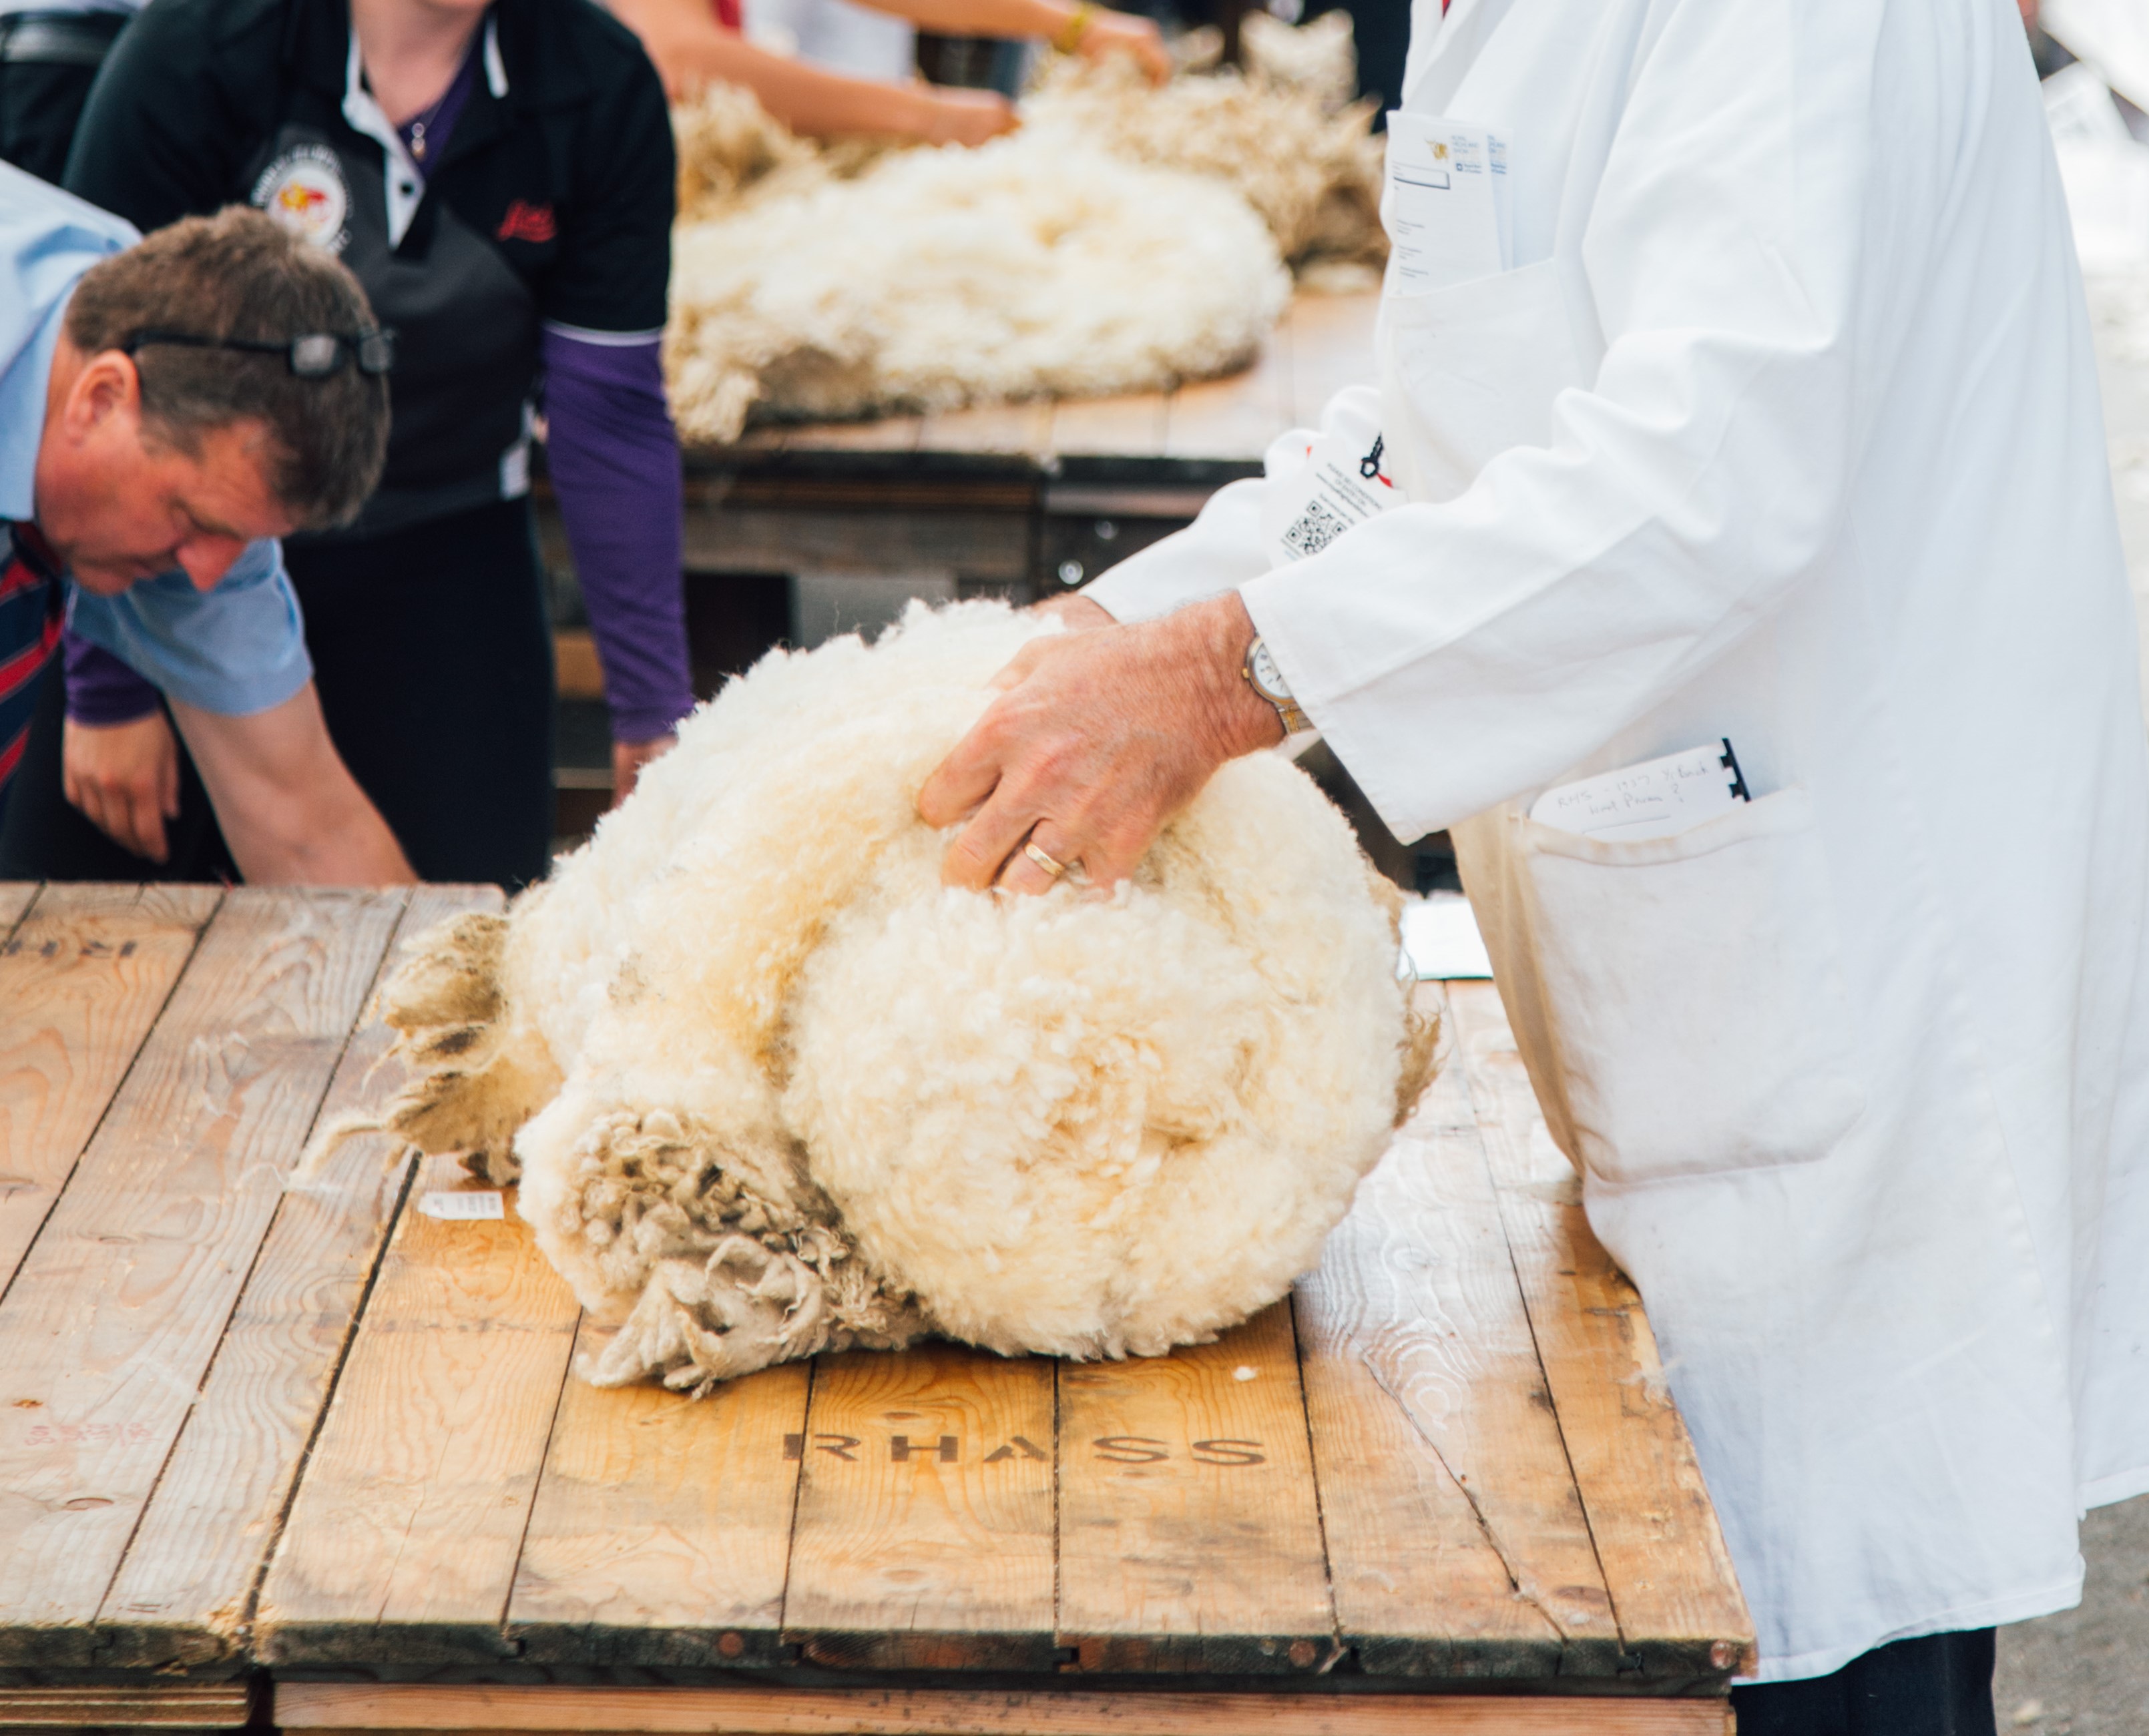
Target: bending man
{"type": "Point", "coordinates": [168, 409]}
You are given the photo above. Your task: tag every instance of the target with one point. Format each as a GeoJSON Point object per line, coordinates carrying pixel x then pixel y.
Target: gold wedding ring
{"type": "Point", "coordinates": [1053, 868]}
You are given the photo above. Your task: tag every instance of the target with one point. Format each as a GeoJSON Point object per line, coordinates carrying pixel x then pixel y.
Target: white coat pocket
{"type": "Point", "coordinates": [1692, 995]}
{"type": "Point", "coordinates": [1471, 369]}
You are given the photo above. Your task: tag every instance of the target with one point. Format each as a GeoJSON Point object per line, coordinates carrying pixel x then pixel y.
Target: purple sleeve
{"type": "Point", "coordinates": [615, 463]}
{"type": "Point", "coordinates": [101, 690]}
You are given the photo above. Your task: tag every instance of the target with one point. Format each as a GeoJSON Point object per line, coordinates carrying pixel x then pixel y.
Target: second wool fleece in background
{"type": "Point", "coordinates": [1029, 266]}
{"type": "Point", "coordinates": [1125, 240]}
{"type": "Point", "coordinates": [774, 1090]}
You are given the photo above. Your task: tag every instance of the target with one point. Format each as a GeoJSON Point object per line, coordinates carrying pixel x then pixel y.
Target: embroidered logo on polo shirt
{"type": "Point", "coordinates": [525, 221]}
{"type": "Point", "coordinates": [303, 189]}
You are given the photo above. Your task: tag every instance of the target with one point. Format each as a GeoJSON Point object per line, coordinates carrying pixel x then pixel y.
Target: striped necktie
{"type": "Point", "coordinates": [30, 617]}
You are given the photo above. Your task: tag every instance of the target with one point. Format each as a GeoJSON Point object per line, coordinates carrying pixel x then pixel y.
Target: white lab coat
{"type": "Point", "coordinates": [1784, 427]}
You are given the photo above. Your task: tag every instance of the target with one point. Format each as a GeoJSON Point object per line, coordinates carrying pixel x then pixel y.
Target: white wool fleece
{"type": "Point", "coordinates": [802, 1095]}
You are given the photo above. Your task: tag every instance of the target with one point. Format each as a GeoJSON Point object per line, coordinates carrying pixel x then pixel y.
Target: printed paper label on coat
{"type": "Point", "coordinates": [1447, 210]}
{"type": "Point", "coordinates": [1343, 482]}
{"type": "Point", "coordinates": [477, 1206]}
{"type": "Point", "coordinates": [1658, 798]}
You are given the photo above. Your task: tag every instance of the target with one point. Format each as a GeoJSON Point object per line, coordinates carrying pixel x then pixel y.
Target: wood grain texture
{"type": "Point", "coordinates": [1675, 1594]}
{"type": "Point", "coordinates": [217, 1706]}
{"type": "Point", "coordinates": [881, 433]}
{"type": "Point", "coordinates": [924, 1534]}
{"type": "Point", "coordinates": [82, 978]}
{"type": "Point", "coordinates": [118, 1307]}
{"type": "Point", "coordinates": [1189, 1535]}
{"type": "Point", "coordinates": [1331, 346]}
{"type": "Point", "coordinates": [661, 1525]}
{"type": "Point", "coordinates": [402, 1543]}
{"type": "Point", "coordinates": [1457, 1543]}
{"type": "Point", "coordinates": [1125, 427]}
{"type": "Point", "coordinates": [1022, 429]}
{"type": "Point", "coordinates": [929, 1712]}
{"type": "Point", "coordinates": [183, 1592]}
{"type": "Point", "coordinates": [1236, 416]}
{"type": "Point", "coordinates": [15, 897]}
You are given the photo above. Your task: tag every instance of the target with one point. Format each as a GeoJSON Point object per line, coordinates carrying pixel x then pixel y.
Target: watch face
{"type": "Point", "coordinates": [1266, 676]}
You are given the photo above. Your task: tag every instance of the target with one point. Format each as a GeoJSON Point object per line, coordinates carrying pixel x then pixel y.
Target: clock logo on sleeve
{"type": "Point", "coordinates": [303, 189]}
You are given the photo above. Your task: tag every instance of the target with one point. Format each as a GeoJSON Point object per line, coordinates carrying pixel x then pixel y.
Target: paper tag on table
{"type": "Point", "coordinates": [1446, 208]}
{"type": "Point", "coordinates": [1440, 934]}
{"type": "Point", "coordinates": [1342, 482]}
{"type": "Point", "coordinates": [1658, 798]}
{"type": "Point", "coordinates": [477, 1205]}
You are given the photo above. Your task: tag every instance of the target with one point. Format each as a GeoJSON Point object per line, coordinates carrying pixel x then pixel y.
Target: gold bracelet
{"type": "Point", "coordinates": [1070, 35]}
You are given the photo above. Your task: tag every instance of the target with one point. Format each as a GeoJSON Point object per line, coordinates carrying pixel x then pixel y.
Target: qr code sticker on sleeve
{"type": "Point", "coordinates": [1313, 530]}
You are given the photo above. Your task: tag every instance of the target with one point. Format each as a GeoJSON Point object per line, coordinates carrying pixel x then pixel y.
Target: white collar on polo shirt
{"type": "Point", "coordinates": [405, 181]}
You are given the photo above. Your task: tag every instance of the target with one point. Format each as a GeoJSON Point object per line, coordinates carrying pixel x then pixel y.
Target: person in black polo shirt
{"type": "Point", "coordinates": [499, 177]}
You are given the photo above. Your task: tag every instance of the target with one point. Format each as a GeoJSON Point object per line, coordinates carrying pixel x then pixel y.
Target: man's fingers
{"type": "Point", "coordinates": [1108, 862]}
{"type": "Point", "coordinates": [982, 848]}
{"type": "Point", "coordinates": [145, 827]}
{"type": "Point", "coordinates": [168, 785]}
{"type": "Point", "coordinates": [960, 782]}
{"type": "Point", "coordinates": [88, 801]}
{"type": "Point", "coordinates": [1024, 873]}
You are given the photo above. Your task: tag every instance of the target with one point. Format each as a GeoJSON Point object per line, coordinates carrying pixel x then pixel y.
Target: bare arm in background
{"type": "Point", "coordinates": [290, 810]}
{"type": "Point", "coordinates": [691, 49]}
{"type": "Point", "coordinates": [1104, 32]}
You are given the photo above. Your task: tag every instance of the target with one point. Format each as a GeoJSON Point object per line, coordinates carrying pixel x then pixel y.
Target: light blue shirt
{"type": "Point", "coordinates": [236, 649]}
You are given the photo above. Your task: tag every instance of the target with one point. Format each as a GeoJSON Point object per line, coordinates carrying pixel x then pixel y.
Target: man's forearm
{"type": "Point", "coordinates": [290, 810]}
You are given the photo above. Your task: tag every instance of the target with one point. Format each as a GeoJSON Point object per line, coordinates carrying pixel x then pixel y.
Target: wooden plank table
{"type": "Point", "coordinates": [318, 1443]}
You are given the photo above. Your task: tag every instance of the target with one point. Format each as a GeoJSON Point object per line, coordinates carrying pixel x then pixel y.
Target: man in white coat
{"type": "Point", "coordinates": [1775, 419]}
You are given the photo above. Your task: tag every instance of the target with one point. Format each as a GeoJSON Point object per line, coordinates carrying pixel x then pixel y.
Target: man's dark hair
{"type": "Point", "coordinates": [237, 274]}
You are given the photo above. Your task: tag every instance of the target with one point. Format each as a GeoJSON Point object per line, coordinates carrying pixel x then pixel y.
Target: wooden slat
{"type": "Point", "coordinates": [209, 1706]}
{"type": "Point", "coordinates": [768, 437]}
{"type": "Point", "coordinates": [1189, 1537]}
{"type": "Point", "coordinates": [661, 1525]}
{"type": "Point", "coordinates": [1456, 1540]}
{"type": "Point", "coordinates": [183, 1591]}
{"type": "Point", "coordinates": [403, 1540]}
{"type": "Point", "coordinates": [1125, 427]}
{"type": "Point", "coordinates": [116, 1310]}
{"type": "Point", "coordinates": [924, 1531]}
{"type": "Point", "coordinates": [977, 544]}
{"type": "Point", "coordinates": [1331, 346]}
{"type": "Point", "coordinates": [1236, 417]}
{"type": "Point", "coordinates": [1674, 1594]}
{"type": "Point", "coordinates": [81, 980]}
{"type": "Point", "coordinates": [15, 896]}
{"type": "Point", "coordinates": [1023, 429]}
{"type": "Point", "coordinates": [941, 1712]}
{"type": "Point", "coordinates": [883, 434]}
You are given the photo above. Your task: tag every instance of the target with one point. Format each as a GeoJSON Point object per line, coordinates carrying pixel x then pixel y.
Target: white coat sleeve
{"type": "Point", "coordinates": [1459, 654]}
{"type": "Point", "coordinates": [1223, 548]}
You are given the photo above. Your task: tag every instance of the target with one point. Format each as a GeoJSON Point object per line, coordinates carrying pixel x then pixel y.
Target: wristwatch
{"type": "Point", "coordinates": [1266, 679]}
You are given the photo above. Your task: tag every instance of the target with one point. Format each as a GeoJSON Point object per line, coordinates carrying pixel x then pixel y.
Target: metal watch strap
{"type": "Point", "coordinates": [1294, 720]}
